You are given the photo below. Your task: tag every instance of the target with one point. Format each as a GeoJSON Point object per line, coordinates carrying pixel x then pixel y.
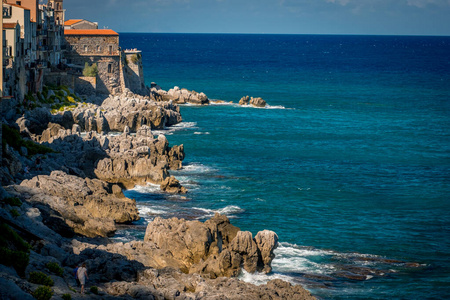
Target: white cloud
{"type": "Point", "coordinates": [424, 3]}
{"type": "Point", "coordinates": [341, 2]}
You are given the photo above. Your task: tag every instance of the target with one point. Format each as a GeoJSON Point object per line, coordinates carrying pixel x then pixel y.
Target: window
{"type": "Point", "coordinates": [19, 2]}
{"type": "Point", "coordinates": [85, 48]}
{"type": "Point", "coordinates": [110, 49]}
{"type": "Point", "coordinates": [99, 49]}
{"type": "Point", "coordinates": [109, 68]}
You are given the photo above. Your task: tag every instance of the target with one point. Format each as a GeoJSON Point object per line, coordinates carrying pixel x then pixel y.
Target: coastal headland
{"type": "Point", "coordinates": [63, 173]}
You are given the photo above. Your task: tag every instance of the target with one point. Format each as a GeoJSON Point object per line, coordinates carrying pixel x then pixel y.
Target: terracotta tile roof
{"type": "Point", "coordinates": [9, 25]}
{"type": "Point", "coordinates": [72, 21]}
{"type": "Point", "coordinates": [90, 32]}
{"type": "Point", "coordinates": [18, 6]}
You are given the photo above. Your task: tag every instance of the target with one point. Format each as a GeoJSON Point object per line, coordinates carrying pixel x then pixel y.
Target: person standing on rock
{"type": "Point", "coordinates": [75, 273]}
{"type": "Point", "coordinates": [82, 276]}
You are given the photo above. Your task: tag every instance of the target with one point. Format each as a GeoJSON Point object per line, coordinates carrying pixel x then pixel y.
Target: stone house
{"type": "Point", "coordinates": [80, 24]}
{"type": "Point", "coordinates": [99, 46]}
{"type": "Point", "coordinates": [16, 78]}
{"type": "Point", "coordinates": [12, 55]}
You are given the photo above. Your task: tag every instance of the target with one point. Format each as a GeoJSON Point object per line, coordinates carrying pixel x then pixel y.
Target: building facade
{"type": "Point", "coordinates": [96, 46]}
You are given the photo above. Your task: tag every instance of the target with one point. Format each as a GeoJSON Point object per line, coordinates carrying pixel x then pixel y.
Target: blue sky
{"type": "Point", "coordinates": [408, 17]}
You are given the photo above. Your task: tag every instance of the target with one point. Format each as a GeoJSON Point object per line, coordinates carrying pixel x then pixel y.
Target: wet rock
{"type": "Point", "coordinates": [267, 242]}
{"type": "Point", "coordinates": [173, 186]}
{"type": "Point", "coordinates": [257, 102]}
{"type": "Point", "coordinates": [244, 100]}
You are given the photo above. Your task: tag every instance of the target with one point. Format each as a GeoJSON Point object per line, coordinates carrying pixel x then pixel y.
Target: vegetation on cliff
{"type": "Point", "coordinates": [14, 251]}
{"type": "Point", "coordinates": [13, 138]}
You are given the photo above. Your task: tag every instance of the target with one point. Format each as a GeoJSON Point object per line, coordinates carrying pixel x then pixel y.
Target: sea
{"type": "Point", "coordinates": [349, 163]}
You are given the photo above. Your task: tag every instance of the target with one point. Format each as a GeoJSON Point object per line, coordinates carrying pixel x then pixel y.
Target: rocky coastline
{"type": "Point", "coordinates": [63, 174]}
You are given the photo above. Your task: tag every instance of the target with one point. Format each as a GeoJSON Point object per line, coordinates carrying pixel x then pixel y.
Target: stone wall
{"type": "Point", "coordinates": [59, 78]}
{"type": "Point", "coordinates": [85, 85]}
{"type": "Point", "coordinates": [133, 71]}
{"type": "Point", "coordinates": [103, 51]}
{"type": "Point", "coordinates": [92, 45]}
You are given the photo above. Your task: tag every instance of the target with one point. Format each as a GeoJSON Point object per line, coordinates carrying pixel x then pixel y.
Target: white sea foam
{"type": "Point", "coordinates": [275, 107]}
{"type": "Point", "coordinates": [197, 168]}
{"type": "Point", "coordinates": [222, 102]}
{"type": "Point", "coordinates": [184, 125]}
{"type": "Point", "coordinates": [197, 132]}
{"type": "Point", "coordinates": [151, 210]}
{"type": "Point", "coordinates": [292, 258]}
{"type": "Point", "coordinates": [262, 278]}
{"type": "Point", "coordinates": [229, 211]}
{"type": "Point", "coordinates": [180, 126]}
{"type": "Point", "coordinates": [150, 188]}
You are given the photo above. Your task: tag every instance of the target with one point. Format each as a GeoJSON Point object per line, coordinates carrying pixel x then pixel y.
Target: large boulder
{"type": "Point", "coordinates": [91, 207]}
{"type": "Point", "coordinates": [172, 185]}
{"type": "Point", "coordinates": [257, 102]}
{"type": "Point", "coordinates": [179, 96]}
{"type": "Point", "coordinates": [214, 248]}
{"type": "Point", "coordinates": [139, 159]}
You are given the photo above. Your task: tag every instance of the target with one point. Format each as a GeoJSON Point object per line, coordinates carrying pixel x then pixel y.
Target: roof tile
{"type": "Point", "coordinates": [90, 32]}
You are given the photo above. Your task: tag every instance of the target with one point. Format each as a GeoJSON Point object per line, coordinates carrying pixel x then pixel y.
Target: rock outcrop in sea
{"type": "Point", "coordinates": [179, 96]}
{"type": "Point", "coordinates": [257, 102]}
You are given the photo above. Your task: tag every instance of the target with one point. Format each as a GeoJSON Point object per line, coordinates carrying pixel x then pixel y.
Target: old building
{"type": "Point", "coordinates": [99, 46]}
{"type": "Point", "coordinates": [57, 7]}
{"type": "Point", "coordinates": [12, 57]}
{"type": "Point", "coordinates": [80, 24]}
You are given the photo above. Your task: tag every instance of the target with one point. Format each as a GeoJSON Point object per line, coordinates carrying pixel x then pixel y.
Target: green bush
{"type": "Point", "coordinates": [90, 71]}
{"type": "Point", "coordinates": [67, 297]}
{"type": "Point", "coordinates": [55, 268]}
{"type": "Point", "coordinates": [43, 293]}
{"type": "Point", "coordinates": [65, 88]}
{"type": "Point", "coordinates": [13, 138]}
{"type": "Point", "coordinates": [40, 278]}
{"type": "Point", "coordinates": [94, 290]}
{"type": "Point", "coordinates": [14, 251]}
{"type": "Point", "coordinates": [13, 201]}
{"type": "Point", "coordinates": [9, 236]}
{"type": "Point", "coordinates": [17, 259]}
{"type": "Point", "coordinates": [45, 91]}
{"type": "Point", "coordinates": [14, 213]}
{"type": "Point", "coordinates": [134, 58]}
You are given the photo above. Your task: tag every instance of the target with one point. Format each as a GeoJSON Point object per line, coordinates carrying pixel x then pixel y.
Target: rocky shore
{"type": "Point", "coordinates": [62, 177]}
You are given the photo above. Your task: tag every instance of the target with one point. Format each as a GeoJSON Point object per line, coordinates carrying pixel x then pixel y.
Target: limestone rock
{"type": "Point", "coordinates": [244, 100]}
{"type": "Point", "coordinates": [244, 245]}
{"type": "Point", "coordinates": [179, 96]}
{"type": "Point", "coordinates": [89, 207]}
{"type": "Point", "coordinates": [173, 186]}
{"type": "Point", "coordinates": [266, 242]}
{"type": "Point", "coordinates": [258, 102]}
{"type": "Point", "coordinates": [214, 248]}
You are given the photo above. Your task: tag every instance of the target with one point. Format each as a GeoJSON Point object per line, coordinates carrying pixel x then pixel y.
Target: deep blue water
{"type": "Point", "coordinates": [350, 164]}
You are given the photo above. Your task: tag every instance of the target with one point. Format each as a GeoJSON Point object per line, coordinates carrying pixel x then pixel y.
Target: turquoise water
{"type": "Point", "coordinates": [349, 164]}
